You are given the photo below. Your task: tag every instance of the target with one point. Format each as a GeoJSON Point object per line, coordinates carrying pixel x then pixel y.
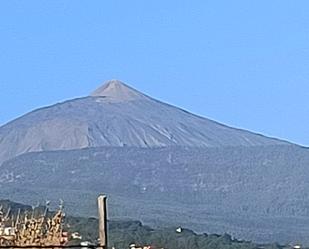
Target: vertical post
{"type": "Point", "coordinates": [102, 221]}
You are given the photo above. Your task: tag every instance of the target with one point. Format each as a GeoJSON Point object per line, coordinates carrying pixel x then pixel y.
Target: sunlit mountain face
{"type": "Point", "coordinates": [117, 115]}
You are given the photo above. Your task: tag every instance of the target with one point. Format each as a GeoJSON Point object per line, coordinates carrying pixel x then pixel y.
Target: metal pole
{"type": "Point", "coordinates": [102, 221]}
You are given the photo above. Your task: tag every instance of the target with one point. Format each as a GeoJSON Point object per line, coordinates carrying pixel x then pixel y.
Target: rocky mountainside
{"type": "Point", "coordinates": [117, 115]}
{"type": "Point", "coordinates": [157, 163]}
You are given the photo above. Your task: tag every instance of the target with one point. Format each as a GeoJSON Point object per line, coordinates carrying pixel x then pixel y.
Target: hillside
{"type": "Point", "coordinates": [122, 233]}
{"type": "Point", "coordinates": [257, 193]}
{"type": "Point", "coordinates": [117, 115]}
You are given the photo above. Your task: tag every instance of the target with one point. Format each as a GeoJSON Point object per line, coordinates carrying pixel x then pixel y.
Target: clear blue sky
{"type": "Point", "coordinates": [242, 63]}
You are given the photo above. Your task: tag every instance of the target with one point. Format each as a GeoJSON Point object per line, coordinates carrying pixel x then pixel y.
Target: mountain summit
{"type": "Point", "coordinates": [118, 91]}
{"type": "Point", "coordinates": [117, 115]}
{"type": "Point", "coordinates": [170, 162]}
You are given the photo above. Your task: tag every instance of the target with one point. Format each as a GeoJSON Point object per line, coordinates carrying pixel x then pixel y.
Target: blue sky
{"type": "Point", "coordinates": [242, 63]}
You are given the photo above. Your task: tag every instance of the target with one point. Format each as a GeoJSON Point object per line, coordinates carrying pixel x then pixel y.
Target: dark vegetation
{"type": "Point", "coordinates": [122, 233]}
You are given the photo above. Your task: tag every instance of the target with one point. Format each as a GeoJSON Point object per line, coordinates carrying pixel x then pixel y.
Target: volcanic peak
{"type": "Point", "coordinates": [118, 91]}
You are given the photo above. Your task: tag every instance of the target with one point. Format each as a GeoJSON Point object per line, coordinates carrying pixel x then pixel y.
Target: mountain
{"type": "Point", "coordinates": [159, 164]}
{"type": "Point", "coordinates": [117, 115]}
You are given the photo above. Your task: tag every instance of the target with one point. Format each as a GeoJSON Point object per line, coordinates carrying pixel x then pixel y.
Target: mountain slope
{"type": "Point", "coordinates": [117, 115]}
{"type": "Point", "coordinates": [157, 163]}
{"type": "Point", "coordinates": [258, 193]}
